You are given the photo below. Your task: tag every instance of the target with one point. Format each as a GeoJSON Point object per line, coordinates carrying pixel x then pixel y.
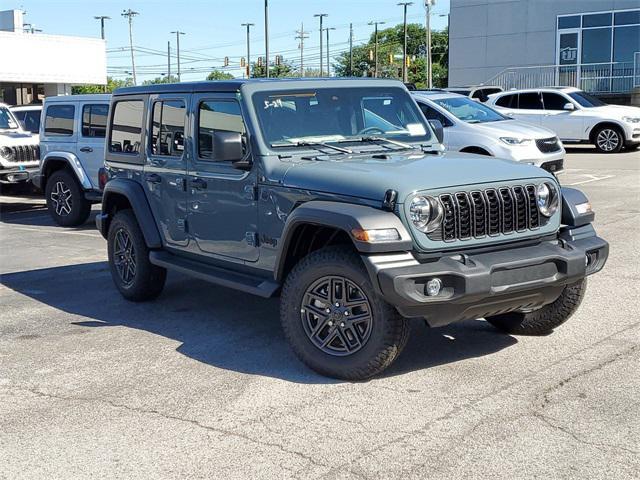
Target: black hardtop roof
{"type": "Point", "coordinates": [231, 85]}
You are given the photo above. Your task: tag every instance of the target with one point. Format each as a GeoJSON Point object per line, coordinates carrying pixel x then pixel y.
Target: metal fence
{"type": "Point", "coordinates": [612, 77]}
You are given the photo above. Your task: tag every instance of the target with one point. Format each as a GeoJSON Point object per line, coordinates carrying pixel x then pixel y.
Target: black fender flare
{"type": "Point", "coordinates": [345, 217]}
{"type": "Point", "coordinates": [570, 215]}
{"type": "Point", "coordinates": [134, 193]}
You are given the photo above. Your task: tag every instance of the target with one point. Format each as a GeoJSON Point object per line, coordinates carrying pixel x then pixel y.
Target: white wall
{"type": "Point", "coordinates": [39, 58]}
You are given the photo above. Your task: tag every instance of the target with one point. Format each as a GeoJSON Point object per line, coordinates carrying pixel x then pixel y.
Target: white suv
{"type": "Point", "coordinates": [19, 151]}
{"type": "Point", "coordinates": [472, 127]}
{"type": "Point", "coordinates": [574, 115]}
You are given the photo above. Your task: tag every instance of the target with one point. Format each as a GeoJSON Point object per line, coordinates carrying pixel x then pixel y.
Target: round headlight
{"type": "Point", "coordinates": [6, 153]}
{"type": "Point", "coordinates": [548, 199]}
{"type": "Point", "coordinates": [425, 213]}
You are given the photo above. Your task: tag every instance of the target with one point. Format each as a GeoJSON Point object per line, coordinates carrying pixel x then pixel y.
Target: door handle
{"type": "Point", "coordinates": [198, 184]}
{"type": "Point", "coordinates": [86, 149]}
{"type": "Point", "coordinates": [153, 178]}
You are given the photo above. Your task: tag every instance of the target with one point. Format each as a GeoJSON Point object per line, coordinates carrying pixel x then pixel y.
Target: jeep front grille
{"type": "Point", "coordinates": [24, 153]}
{"type": "Point", "coordinates": [489, 212]}
{"type": "Point", "coordinates": [548, 145]}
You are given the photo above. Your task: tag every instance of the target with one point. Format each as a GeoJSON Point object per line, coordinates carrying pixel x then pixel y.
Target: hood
{"type": "Point", "coordinates": [513, 128]}
{"type": "Point", "coordinates": [617, 111]}
{"type": "Point", "coordinates": [365, 177]}
{"type": "Point", "coordinates": [11, 138]}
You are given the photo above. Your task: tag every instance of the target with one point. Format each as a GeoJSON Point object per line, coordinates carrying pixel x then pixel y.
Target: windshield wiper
{"type": "Point", "coordinates": [374, 138]}
{"type": "Point", "coordinates": [311, 144]}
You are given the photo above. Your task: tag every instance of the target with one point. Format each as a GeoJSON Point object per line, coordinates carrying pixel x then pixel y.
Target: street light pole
{"type": "Point", "coordinates": [178, 33]}
{"type": "Point", "coordinates": [427, 5]}
{"type": "Point", "coordinates": [248, 25]}
{"type": "Point", "coordinates": [102, 18]}
{"type": "Point", "coordinates": [328, 63]}
{"type": "Point", "coordinates": [266, 34]}
{"type": "Point", "coordinates": [321, 16]}
{"type": "Point", "coordinates": [130, 14]}
{"type": "Point", "coordinates": [404, 47]}
{"type": "Point", "coordinates": [169, 60]}
{"type": "Point", "coordinates": [375, 47]}
{"type": "Point", "coordinates": [351, 49]}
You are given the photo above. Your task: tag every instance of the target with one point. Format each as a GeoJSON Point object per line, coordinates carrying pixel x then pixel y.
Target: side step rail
{"type": "Point", "coordinates": [220, 276]}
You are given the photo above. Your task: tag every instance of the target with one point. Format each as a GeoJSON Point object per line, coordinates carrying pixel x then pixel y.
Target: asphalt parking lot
{"type": "Point", "coordinates": [201, 384]}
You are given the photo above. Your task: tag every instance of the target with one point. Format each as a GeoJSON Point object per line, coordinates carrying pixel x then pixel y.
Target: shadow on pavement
{"type": "Point", "coordinates": [225, 328]}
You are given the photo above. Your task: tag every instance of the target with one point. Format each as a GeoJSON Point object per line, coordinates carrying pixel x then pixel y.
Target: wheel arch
{"type": "Point", "coordinates": [54, 161]}
{"type": "Point", "coordinates": [604, 124]}
{"type": "Point", "coordinates": [317, 224]}
{"type": "Point", "coordinates": [476, 149]}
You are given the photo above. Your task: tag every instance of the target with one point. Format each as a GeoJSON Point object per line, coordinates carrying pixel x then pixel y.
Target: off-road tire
{"type": "Point", "coordinates": [72, 213]}
{"type": "Point", "coordinates": [148, 280]}
{"type": "Point", "coordinates": [607, 132]}
{"type": "Point", "coordinates": [543, 320]}
{"type": "Point", "coordinates": [389, 331]}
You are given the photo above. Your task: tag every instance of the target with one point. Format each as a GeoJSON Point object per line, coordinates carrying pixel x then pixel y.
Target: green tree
{"type": "Point", "coordinates": [219, 75]}
{"type": "Point", "coordinates": [163, 79]}
{"type": "Point", "coordinates": [112, 84]}
{"type": "Point", "coordinates": [284, 70]}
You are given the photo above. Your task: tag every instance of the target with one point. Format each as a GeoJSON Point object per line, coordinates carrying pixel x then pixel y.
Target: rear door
{"type": "Point", "coordinates": [529, 108]}
{"type": "Point", "coordinates": [223, 210]}
{"type": "Point", "coordinates": [90, 146]}
{"type": "Point", "coordinates": [58, 132]}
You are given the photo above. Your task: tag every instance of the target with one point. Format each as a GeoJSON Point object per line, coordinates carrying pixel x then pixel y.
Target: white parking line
{"type": "Point", "coordinates": [593, 178]}
{"type": "Point", "coordinates": [51, 230]}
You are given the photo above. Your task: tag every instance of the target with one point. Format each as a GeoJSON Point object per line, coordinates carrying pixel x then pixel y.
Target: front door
{"type": "Point", "coordinates": [90, 147]}
{"type": "Point", "coordinates": [223, 209]}
{"type": "Point", "coordinates": [166, 169]}
{"type": "Point", "coordinates": [568, 124]}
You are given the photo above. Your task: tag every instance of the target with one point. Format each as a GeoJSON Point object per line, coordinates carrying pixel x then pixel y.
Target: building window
{"type": "Point", "coordinates": [596, 20]}
{"type": "Point", "coordinates": [596, 45]}
{"type": "Point", "coordinates": [167, 128]}
{"type": "Point", "coordinates": [569, 22]}
{"type": "Point", "coordinates": [627, 18]}
{"type": "Point", "coordinates": [626, 41]}
{"type": "Point", "coordinates": [94, 120]}
{"type": "Point", "coordinates": [126, 129]}
{"type": "Point", "coordinates": [58, 121]}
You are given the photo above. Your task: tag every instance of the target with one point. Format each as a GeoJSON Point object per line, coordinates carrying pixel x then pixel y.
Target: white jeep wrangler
{"type": "Point", "coordinates": [19, 150]}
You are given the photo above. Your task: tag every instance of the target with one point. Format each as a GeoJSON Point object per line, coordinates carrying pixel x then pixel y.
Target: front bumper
{"type": "Point", "coordinates": [485, 284]}
{"type": "Point", "coordinates": [17, 174]}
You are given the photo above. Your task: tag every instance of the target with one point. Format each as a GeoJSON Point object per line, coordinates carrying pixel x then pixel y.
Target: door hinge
{"type": "Point", "coordinates": [251, 192]}
{"type": "Point", "coordinates": [182, 224]}
{"type": "Point", "coordinates": [251, 238]}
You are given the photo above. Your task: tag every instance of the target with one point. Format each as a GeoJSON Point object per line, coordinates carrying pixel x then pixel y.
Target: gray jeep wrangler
{"type": "Point", "coordinates": [336, 195]}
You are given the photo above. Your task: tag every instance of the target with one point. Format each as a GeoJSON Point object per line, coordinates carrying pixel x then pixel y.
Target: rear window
{"type": "Point", "coordinates": [530, 101]}
{"type": "Point", "coordinates": [126, 127]}
{"type": "Point", "coordinates": [94, 120]}
{"type": "Point", "coordinates": [58, 121]}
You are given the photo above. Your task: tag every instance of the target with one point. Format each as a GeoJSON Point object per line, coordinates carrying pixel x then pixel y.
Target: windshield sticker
{"type": "Point", "coordinates": [416, 129]}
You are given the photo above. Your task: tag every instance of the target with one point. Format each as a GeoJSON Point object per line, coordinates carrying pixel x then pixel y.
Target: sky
{"type": "Point", "coordinates": [213, 29]}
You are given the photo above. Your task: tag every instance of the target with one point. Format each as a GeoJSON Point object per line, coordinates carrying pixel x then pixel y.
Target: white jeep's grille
{"type": "Point", "coordinates": [20, 153]}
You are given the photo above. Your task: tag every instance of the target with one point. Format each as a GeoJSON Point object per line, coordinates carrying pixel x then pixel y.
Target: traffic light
{"type": "Point", "coordinates": [371, 55]}
{"type": "Point", "coordinates": [260, 61]}
{"type": "Point", "coordinates": [391, 58]}
{"type": "Point", "coordinates": [278, 59]}
{"type": "Point", "coordinates": [248, 71]}
{"type": "Point", "coordinates": [226, 61]}
{"type": "Point", "coordinates": [242, 62]}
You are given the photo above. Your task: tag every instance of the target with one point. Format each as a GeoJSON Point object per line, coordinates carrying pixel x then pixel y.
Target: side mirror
{"type": "Point", "coordinates": [227, 146]}
{"type": "Point", "coordinates": [438, 129]}
{"type": "Point", "coordinates": [569, 106]}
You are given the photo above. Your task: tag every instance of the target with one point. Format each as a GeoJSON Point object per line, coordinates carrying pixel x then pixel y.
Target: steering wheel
{"type": "Point", "coordinates": [371, 130]}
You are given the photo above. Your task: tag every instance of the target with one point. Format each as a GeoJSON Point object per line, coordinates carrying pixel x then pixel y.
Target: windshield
{"type": "Point", "coordinates": [7, 121]}
{"type": "Point", "coordinates": [338, 115]}
{"type": "Point", "coordinates": [586, 100]}
{"type": "Point", "coordinates": [469, 111]}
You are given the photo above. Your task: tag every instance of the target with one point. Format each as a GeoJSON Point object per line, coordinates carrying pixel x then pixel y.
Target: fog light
{"type": "Point", "coordinates": [433, 287]}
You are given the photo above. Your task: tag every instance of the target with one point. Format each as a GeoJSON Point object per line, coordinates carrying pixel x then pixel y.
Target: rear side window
{"type": "Point", "coordinates": [508, 101]}
{"type": "Point", "coordinates": [94, 120]}
{"type": "Point", "coordinates": [167, 128]}
{"type": "Point", "coordinates": [58, 121]}
{"type": "Point", "coordinates": [126, 127]}
{"type": "Point", "coordinates": [530, 101]}
{"type": "Point", "coordinates": [217, 115]}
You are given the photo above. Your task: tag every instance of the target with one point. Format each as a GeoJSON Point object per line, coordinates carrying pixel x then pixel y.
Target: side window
{"type": "Point", "coordinates": [432, 114]}
{"type": "Point", "coordinates": [94, 120]}
{"type": "Point", "coordinates": [167, 128]}
{"type": "Point", "coordinates": [58, 121]}
{"type": "Point", "coordinates": [553, 101]}
{"type": "Point", "coordinates": [507, 101]}
{"type": "Point", "coordinates": [530, 101]}
{"type": "Point", "coordinates": [217, 115]}
{"type": "Point", "coordinates": [126, 127]}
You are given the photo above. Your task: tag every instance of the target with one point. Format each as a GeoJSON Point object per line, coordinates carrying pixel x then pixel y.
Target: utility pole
{"type": "Point", "coordinates": [102, 18]}
{"type": "Point", "coordinates": [427, 5]}
{"type": "Point", "coordinates": [375, 47]}
{"type": "Point", "coordinates": [301, 36]}
{"type": "Point", "coordinates": [248, 25]}
{"type": "Point", "coordinates": [130, 14]}
{"type": "Point", "coordinates": [404, 47]}
{"type": "Point", "coordinates": [178, 33]}
{"type": "Point", "coordinates": [328, 63]}
{"type": "Point", "coordinates": [169, 60]}
{"type": "Point", "coordinates": [266, 33]}
{"type": "Point", "coordinates": [321, 16]}
{"type": "Point", "coordinates": [351, 49]}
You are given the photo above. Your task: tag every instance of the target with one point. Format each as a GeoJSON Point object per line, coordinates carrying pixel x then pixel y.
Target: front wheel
{"type": "Point", "coordinates": [609, 140]}
{"type": "Point", "coordinates": [333, 319]}
{"type": "Point", "coordinates": [542, 320]}
{"type": "Point", "coordinates": [65, 200]}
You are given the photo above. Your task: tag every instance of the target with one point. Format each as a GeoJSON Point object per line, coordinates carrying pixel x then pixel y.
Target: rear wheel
{"type": "Point", "coordinates": [65, 200]}
{"type": "Point", "coordinates": [132, 272]}
{"type": "Point", "coordinates": [333, 319]}
{"type": "Point", "coordinates": [608, 139]}
{"type": "Point", "coordinates": [542, 320]}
